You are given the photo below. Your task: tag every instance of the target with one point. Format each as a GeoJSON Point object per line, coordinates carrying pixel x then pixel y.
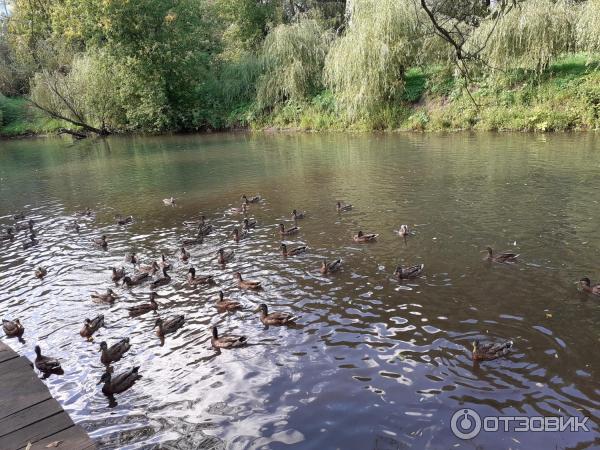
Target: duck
{"type": "Point", "coordinates": [101, 242]}
{"type": "Point", "coordinates": [586, 286]}
{"type": "Point", "coordinates": [13, 328]}
{"type": "Point", "coordinates": [241, 210]}
{"type": "Point", "coordinates": [169, 201]}
{"type": "Point", "coordinates": [298, 215]}
{"type": "Point", "coordinates": [32, 242]}
{"type": "Point", "coordinates": [168, 326]}
{"type": "Point", "coordinates": [120, 383]}
{"type": "Point", "coordinates": [150, 269]}
{"type": "Point", "coordinates": [327, 268]}
{"type": "Point", "coordinates": [184, 255]}
{"type": "Point", "coordinates": [362, 237]}
{"type": "Point", "coordinates": [8, 235]}
{"type": "Point", "coordinates": [163, 263]}
{"type": "Point", "coordinates": [143, 308]}
{"type": "Point", "coordinates": [275, 318]}
{"type": "Point", "coordinates": [73, 226]}
{"type": "Point", "coordinates": [227, 341]}
{"type": "Point", "coordinates": [21, 226]}
{"type": "Point", "coordinates": [404, 231]}
{"type": "Point", "coordinates": [115, 352]}
{"type": "Point", "coordinates": [294, 251]}
{"type": "Point", "coordinates": [123, 220]}
{"type": "Point", "coordinates": [491, 351]}
{"type": "Point", "coordinates": [204, 229]}
{"type": "Point", "coordinates": [117, 274]}
{"type": "Point", "coordinates": [136, 279]}
{"type": "Point", "coordinates": [504, 257]}
{"type": "Point", "coordinates": [194, 280]}
{"type": "Point", "coordinates": [248, 224]}
{"type": "Point", "coordinates": [289, 231]}
{"type": "Point", "coordinates": [164, 280]}
{"type": "Point", "coordinates": [247, 200]}
{"type": "Point", "coordinates": [226, 304]}
{"type": "Point", "coordinates": [86, 212]}
{"type": "Point", "coordinates": [131, 258]}
{"type": "Point", "coordinates": [90, 326]}
{"type": "Point", "coordinates": [47, 364]}
{"type": "Point", "coordinates": [237, 236]}
{"type": "Point", "coordinates": [108, 297]}
{"type": "Point", "coordinates": [193, 241]}
{"type": "Point", "coordinates": [409, 272]}
{"type": "Point", "coordinates": [341, 207]}
{"type": "Point", "coordinates": [19, 216]}
{"type": "Point", "coordinates": [224, 257]}
{"type": "Point", "coordinates": [41, 272]}
{"type": "Point", "coordinates": [246, 284]}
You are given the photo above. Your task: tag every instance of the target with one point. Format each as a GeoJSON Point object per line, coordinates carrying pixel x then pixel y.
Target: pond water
{"type": "Point", "coordinates": [374, 363]}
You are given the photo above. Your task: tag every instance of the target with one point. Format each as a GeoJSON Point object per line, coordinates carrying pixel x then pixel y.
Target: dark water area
{"type": "Point", "coordinates": [374, 363]}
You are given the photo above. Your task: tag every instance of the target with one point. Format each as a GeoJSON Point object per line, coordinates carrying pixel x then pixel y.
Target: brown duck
{"type": "Point", "coordinates": [13, 328]}
{"type": "Point", "coordinates": [108, 297]}
{"type": "Point", "coordinates": [227, 341]}
{"type": "Point", "coordinates": [293, 251]}
{"type": "Point", "coordinates": [226, 304]}
{"type": "Point", "coordinates": [143, 308]}
{"type": "Point", "coordinates": [361, 237]}
{"type": "Point", "coordinates": [327, 268]}
{"type": "Point", "coordinates": [275, 318]}
{"type": "Point", "coordinates": [504, 257]}
{"type": "Point", "coordinates": [168, 326]}
{"type": "Point", "coordinates": [90, 326]}
{"type": "Point", "coordinates": [489, 352]}
{"type": "Point", "coordinates": [246, 284]}
{"type": "Point", "coordinates": [194, 280]}
{"type": "Point", "coordinates": [115, 352]}
{"type": "Point", "coordinates": [289, 231]}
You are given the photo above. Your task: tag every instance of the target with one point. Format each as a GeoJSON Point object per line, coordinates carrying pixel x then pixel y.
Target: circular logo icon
{"type": "Point", "coordinates": [465, 424]}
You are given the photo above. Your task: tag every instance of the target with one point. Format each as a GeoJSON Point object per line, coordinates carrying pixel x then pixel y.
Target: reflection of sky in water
{"type": "Point", "coordinates": [375, 362]}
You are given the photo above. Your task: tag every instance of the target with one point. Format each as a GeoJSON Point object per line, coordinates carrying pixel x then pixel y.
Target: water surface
{"type": "Point", "coordinates": [375, 364]}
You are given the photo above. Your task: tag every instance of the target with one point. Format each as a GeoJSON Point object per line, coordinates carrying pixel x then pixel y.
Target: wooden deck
{"type": "Point", "coordinates": [29, 414]}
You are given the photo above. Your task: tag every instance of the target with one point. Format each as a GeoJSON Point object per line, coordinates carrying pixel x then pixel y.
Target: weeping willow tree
{"type": "Point", "coordinates": [529, 36]}
{"type": "Point", "coordinates": [293, 57]}
{"type": "Point", "coordinates": [588, 27]}
{"type": "Point", "coordinates": [366, 66]}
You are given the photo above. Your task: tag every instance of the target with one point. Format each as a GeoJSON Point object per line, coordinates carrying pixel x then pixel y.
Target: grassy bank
{"type": "Point", "coordinates": [19, 118]}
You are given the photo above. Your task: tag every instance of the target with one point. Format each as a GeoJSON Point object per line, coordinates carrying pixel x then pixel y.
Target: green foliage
{"type": "Point", "coordinates": [247, 22]}
{"type": "Point", "coordinates": [588, 27]}
{"type": "Point", "coordinates": [293, 56]}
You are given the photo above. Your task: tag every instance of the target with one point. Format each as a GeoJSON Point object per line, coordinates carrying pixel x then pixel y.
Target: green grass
{"type": "Point", "coordinates": [19, 118]}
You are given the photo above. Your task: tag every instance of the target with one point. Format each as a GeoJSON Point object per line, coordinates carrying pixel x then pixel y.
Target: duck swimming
{"type": "Point", "coordinates": [8, 235]}
{"type": "Point", "coordinates": [342, 208]}
{"type": "Point", "coordinates": [168, 326]}
{"type": "Point", "coordinates": [101, 242]}
{"type": "Point", "coordinates": [73, 226]}
{"type": "Point", "coordinates": [275, 318]}
{"type": "Point", "coordinates": [298, 215]}
{"type": "Point", "coordinates": [489, 352]}
{"type": "Point", "coordinates": [19, 216]}
{"type": "Point", "coordinates": [13, 328]}
{"type": "Point", "coordinates": [193, 241]}
{"type": "Point", "coordinates": [109, 297]}
{"type": "Point", "coordinates": [327, 268]}
{"type": "Point", "coordinates": [504, 257]}
{"type": "Point", "coordinates": [246, 284]}
{"type": "Point", "coordinates": [247, 200]}
{"type": "Point", "coordinates": [164, 280]}
{"type": "Point", "coordinates": [117, 274]}
{"type": "Point", "coordinates": [150, 269]}
{"type": "Point", "coordinates": [163, 263]}
{"type": "Point", "coordinates": [47, 364]}
{"type": "Point", "coordinates": [226, 304]}
{"type": "Point", "coordinates": [204, 229]}
{"type": "Point", "coordinates": [136, 279]}
{"type": "Point", "coordinates": [224, 257]}
{"type": "Point", "coordinates": [184, 255]}
{"type": "Point", "coordinates": [21, 226]}
{"type": "Point", "coordinates": [41, 272]}
{"type": "Point", "coordinates": [586, 286]}
{"type": "Point", "coordinates": [289, 231]}
{"type": "Point", "coordinates": [249, 224]}
{"type": "Point", "coordinates": [294, 251]}
{"type": "Point", "coordinates": [32, 242]}
{"type": "Point", "coordinates": [362, 237]}
{"type": "Point", "coordinates": [90, 326]}
{"type": "Point", "coordinates": [227, 341]}
{"type": "Point", "coordinates": [169, 201]}
{"type": "Point", "coordinates": [115, 352]}
{"type": "Point", "coordinates": [143, 308]}
{"type": "Point", "coordinates": [131, 258]}
{"type": "Point", "coordinates": [237, 236]}
{"type": "Point", "coordinates": [123, 220]}
{"type": "Point", "coordinates": [409, 272]}
{"type": "Point", "coordinates": [120, 383]}
{"type": "Point", "coordinates": [194, 280]}
{"type": "Point", "coordinates": [404, 231]}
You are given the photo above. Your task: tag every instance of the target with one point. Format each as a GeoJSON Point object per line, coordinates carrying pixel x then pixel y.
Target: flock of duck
{"type": "Point", "coordinates": [157, 274]}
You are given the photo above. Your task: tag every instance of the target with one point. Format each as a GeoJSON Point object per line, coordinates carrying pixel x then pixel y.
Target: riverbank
{"type": "Point", "coordinates": [566, 97]}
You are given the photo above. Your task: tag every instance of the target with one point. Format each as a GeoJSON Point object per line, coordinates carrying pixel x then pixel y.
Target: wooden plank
{"type": "Point", "coordinates": [20, 387]}
{"type": "Point", "coordinates": [6, 352]}
{"type": "Point", "coordinates": [36, 431]}
{"type": "Point", "coordinates": [74, 438]}
{"type": "Point", "coordinates": [29, 416]}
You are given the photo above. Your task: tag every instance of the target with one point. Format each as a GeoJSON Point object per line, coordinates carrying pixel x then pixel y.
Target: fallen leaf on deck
{"type": "Point", "coordinates": [54, 444]}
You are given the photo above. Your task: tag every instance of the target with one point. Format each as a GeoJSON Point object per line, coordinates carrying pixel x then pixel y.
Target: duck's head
{"type": "Point", "coordinates": [489, 250]}
{"type": "Point", "coordinates": [237, 276]}
{"type": "Point", "coordinates": [398, 270]}
{"type": "Point", "coordinates": [281, 227]}
{"type": "Point", "coordinates": [163, 257]}
{"type": "Point", "coordinates": [105, 378]}
{"type": "Point", "coordinates": [103, 237]}
{"type": "Point", "coordinates": [103, 345]}
{"type": "Point", "coordinates": [126, 280]}
{"type": "Point", "coordinates": [18, 321]}
{"type": "Point", "coordinates": [294, 212]}
{"type": "Point", "coordinates": [38, 350]}
{"type": "Point", "coordinates": [9, 231]}
{"type": "Point", "coordinates": [475, 344]}
{"type": "Point", "coordinates": [236, 232]}
{"type": "Point", "coordinates": [585, 281]}
{"type": "Point", "coordinates": [192, 272]}
{"type": "Point", "coordinates": [360, 233]}
{"type": "Point", "coordinates": [220, 251]}
{"type": "Point", "coordinates": [30, 222]}
{"type": "Point", "coordinates": [339, 204]}
{"type": "Point", "coordinates": [109, 291]}
{"type": "Point", "coordinates": [245, 221]}
{"type": "Point", "coordinates": [215, 332]}
{"type": "Point", "coordinates": [283, 247]}
{"type": "Point", "coordinates": [220, 295]}
{"type": "Point", "coordinates": [263, 308]}
{"type": "Point", "coordinates": [158, 323]}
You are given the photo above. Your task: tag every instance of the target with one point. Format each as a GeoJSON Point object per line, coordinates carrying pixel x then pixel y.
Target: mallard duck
{"type": "Point", "coordinates": [488, 352]}
{"type": "Point", "coordinates": [46, 364]}
{"type": "Point", "coordinates": [226, 304]}
{"type": "Point", "coordinates": [90, 326]}
{"type": "Point", "coordinates": [193, 241]}
{"type": "Point", "coordinates": [246, 284]}
{"type": "Point", "coordinates": [131, 258]}
{"type": "Point", "coordinates": [168, 326]}
{"type": "Point", "coordinates": [150, 269]}
{"type": "Point", "coordinates": [169, 201]}
{"type": "Point", "coordinates": [298, 215]}
{"type": "Point", "coordinates": [194, 280]}
{"type": "Point", "coordinates": [117, 274]}
{"type": "Point", "coordinates": [13, 328]}
{"type": "Point", "coordinates": [120, 383]}
{"type": "Point", "coordinates": [143, 308]}
{"type": "Point", "coordinates": [164, 280]}
{"type": "Point", "coordinates": [41, 272]}
{"type": "Point", "coordinates": [204, 229]}
{"type": "Point", "coordinates": [247, 200]}
{"type": "Point", "coordinates": [409, 272]}
{"type": "Point", "coordinates": [164, 263]}
{"type": "Point", "coordinates": [248, 224]}
{"type": "Point", "coordinates": [586, 286]}
{"type": "Point", "coordinates": [136, 279]}
{"type": "Point", "coordinates": [24, 225]}
{"type": "Point", "coordinates": [19, 216]}
{"type": "Point", "coordinates": [241, 210]}
{"type": "Point", "coordinates": [115, 352]}
{"type": "Point", "coordinates": [32, 242]}
{"type": "Point", "coordinates": [404, 231]}
{"type": "Point", "coordinates": [8, 235]}
{"type": "Point", "coordinates": [224, 257]}
{"type": "Point", "coordinates": [340, 207]}
{"type": "Point", "coordinates": [331, 267]}
{"type": "Point", "coordinates": [101, 242]}
{"type": "Point", "coordinates": [73, 226]}
{"type": "Point", "coordinates": [227, 341]}
{"type": "Point", "coordinates": [505, 257]}
{"type": "Point", "coordinates": [123, 220]}
{"type": "Point", "coordinates": [294, 251]}
{"type": "Point", "coordinates": [289, 231]}
{"type": "Point", "coordinates": [184, 255]}
{"type": "Point", "coordinates": [362, 237]}
{"type": "Point", "coordinates": [237, 236]}
{"type": "Point", "coordinates": [108, 297]}
{"type": "Point", "coordinates": [275, 318]}
{"type": "Point", "coordinates": [86, 212]}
